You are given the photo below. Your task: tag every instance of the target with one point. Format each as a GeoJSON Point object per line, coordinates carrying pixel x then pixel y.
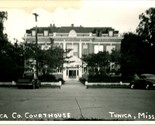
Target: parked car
{"type": "Point", "coordinates": [145, 81]}
{"type": "Point", "coordinates": [28, 80]}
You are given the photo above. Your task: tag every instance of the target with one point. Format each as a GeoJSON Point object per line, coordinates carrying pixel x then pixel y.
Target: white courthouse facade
{"type": "Point", "coordinates": [81, 40]}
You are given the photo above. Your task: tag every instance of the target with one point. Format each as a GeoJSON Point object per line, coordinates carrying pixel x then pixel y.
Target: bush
{"type": "Point", "coordinates": [82, 80]}
{"type": "Point", "coordinates": [47, 78]}
{"type": "Point", "coordinates": [100, 78]}
{"type": "Point", "coordinates": [50, 78]}
{"type": "Point", "coordinates": [10, 74]}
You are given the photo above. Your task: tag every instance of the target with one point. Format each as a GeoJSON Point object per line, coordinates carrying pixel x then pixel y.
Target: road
{"type": "Point", "coordinates": [73, 101]}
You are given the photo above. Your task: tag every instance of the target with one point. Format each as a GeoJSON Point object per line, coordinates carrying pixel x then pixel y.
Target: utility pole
{"type": "Point", "coordinates": [36, 40]}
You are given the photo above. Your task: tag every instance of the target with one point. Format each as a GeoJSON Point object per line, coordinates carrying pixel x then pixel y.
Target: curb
{"type": "Point", "coordinates": [13, 83]}
{"type": "Point", "coordinates": [113, 85]}
{"type": "Point", "coordinates": [106, 83]}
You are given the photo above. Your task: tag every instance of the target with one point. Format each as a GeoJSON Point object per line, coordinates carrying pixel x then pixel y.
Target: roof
{"type": "Point", "coordinates": [67, 29]}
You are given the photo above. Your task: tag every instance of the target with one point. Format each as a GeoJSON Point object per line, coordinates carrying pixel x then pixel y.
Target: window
{"type": "Point", "coordinates": [85, 46]}
{"type": "Point", "coordinates": [45, 33]}
{"type": "Point", "coordinates": [85, 49]}
{"type": "Point", "coordinates": [98, 48]}
{"type": "Point", "coordinates": [110, 33]}
{"type": "Point", "coordinates": [110, 48]}
{"type": "Point", "coordinates": [71, 52]}
{"type": "Point", "coordinates": [74, 50]}
{"type": "Point", "coordinates": [59, 70]}
{"type": "Point", "coordinates": [72, 33]}
{"type": "Point", "coordinates": [33, 32]}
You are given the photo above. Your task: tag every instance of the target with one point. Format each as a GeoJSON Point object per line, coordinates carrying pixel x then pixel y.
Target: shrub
{"type": "Point", "coordinates": [100, 78]}
{"type": "Point", "coordinates": [50, 78]}
{"type": "Point", "coordinates": [47, 78]}
{"type": "Point", "coordinates": [82, 80]}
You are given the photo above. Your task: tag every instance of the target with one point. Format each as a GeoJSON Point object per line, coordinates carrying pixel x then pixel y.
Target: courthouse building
{"type": "Point", "coordinates": [81, 40]}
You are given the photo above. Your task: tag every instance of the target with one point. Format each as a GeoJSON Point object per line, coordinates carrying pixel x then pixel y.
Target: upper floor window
{"type": "Point", "coordinates": [33, 32]}
{"type": "Point", "coordinates": [45, 33]}
{"type": "Point", "coordinates": [98, 48]}
{"type": "Point", "coordinates": [72, 33]}
{"type": "Point", "coordinates": [110, 48]}
{"type": "Point", "coordinates": [74, 50]}
{"type": "Point", "coordinates": [90, 34]}
{"type": "Point", "coordinates": [98, 33]}
{"type": "Point", "coordinates": [110, 33]}
{"type": "Point", "coordinates": [54, 34]}
{"type": "Point", "coordinates": [85, 49]}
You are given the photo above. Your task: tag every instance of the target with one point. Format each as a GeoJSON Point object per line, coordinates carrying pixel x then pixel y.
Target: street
{"type": "Point", "coordinates": [74, 102]}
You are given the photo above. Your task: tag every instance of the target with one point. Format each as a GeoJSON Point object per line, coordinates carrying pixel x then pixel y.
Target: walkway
{"type": "Point", "coordinates": [73, 84]}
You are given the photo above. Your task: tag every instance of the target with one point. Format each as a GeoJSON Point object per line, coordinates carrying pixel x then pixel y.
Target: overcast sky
{"type": "Point", "coordinates": [122, 15]}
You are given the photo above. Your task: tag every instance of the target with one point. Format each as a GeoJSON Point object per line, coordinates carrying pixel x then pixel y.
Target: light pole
{"type": "Point", "coordinates": [36, 40]}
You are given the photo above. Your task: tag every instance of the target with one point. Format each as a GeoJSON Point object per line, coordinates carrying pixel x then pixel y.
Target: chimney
{"type": "Point", "coordinates": [72, 25]}
{"type": "Point", "coordinates": [53, 25]}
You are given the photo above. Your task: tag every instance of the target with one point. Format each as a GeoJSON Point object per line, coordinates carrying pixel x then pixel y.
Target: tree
{"type": "Point", "coordinates": [97, 63]}
{"type": "Point", "coordinates": [133, 54]}
{"type": "Point", "coordinates": [49, 60]}
{"type": "Point", "coordinates": [55, 57]}
{"type": "Point", "coordinates": [3, 17]}
{"type": "Point", "coordinates": [11, 55]}
{"type": "Point", "coordinates": [115, 59]}
{"type": "Point", "coordinates": [146, 29]}
{"type": "Point", "coordinates": [115, 56]}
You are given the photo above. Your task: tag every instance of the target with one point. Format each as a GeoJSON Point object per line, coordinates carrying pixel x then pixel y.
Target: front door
{"type": "Point", "coordinates": [72, 73]}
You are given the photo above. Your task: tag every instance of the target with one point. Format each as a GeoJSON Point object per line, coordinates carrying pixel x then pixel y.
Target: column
{"type": "Point", "coordinates": [80, 49]}
{"type": "Point", "coordinates": [64, 66]}
{"type": "Point", "coordinates": [64, 45]}
{"type": "Point", "coordinates": [80, 55]}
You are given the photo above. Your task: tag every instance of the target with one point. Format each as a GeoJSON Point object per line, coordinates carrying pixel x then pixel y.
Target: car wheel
{"type": "Point", "coordinates": [147, 86]}
{"type": "Point", "coordinates": [132, 86]}
{"type": "Point", "coordinates": [38, 85]}
{"type": "Point", "coordinates": [33, 84]}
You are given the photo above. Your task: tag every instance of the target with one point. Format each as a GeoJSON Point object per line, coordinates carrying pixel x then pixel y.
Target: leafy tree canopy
{"type": "Point", "coordinates": [146, 27]}
{"type": "Point", "coordinates": [100, 59]}
{"type": "Point", "coordinates": [11, 61]}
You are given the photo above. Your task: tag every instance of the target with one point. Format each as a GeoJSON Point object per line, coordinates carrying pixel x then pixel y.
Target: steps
{"type": "Point", "coordinates": [73, 84]}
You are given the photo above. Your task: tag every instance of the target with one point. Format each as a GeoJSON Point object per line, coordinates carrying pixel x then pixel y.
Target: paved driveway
{"type": "Point", "coordinates": [74, 101]}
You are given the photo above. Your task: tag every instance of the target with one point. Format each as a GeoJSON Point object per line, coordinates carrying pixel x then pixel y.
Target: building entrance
{"type": "Point", "coordinates": [72, 74]}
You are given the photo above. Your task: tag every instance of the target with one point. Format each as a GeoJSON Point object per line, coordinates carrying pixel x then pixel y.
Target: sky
{"type": "Point", "coordinates": [122, 15]}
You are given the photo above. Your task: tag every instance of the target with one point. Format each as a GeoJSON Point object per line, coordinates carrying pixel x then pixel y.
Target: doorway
{"type": "Point", "coordinates": [72, 74]}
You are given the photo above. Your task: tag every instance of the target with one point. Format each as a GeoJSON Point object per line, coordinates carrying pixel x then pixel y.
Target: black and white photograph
{"type": "Point", "coordinates": [77, 61]}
